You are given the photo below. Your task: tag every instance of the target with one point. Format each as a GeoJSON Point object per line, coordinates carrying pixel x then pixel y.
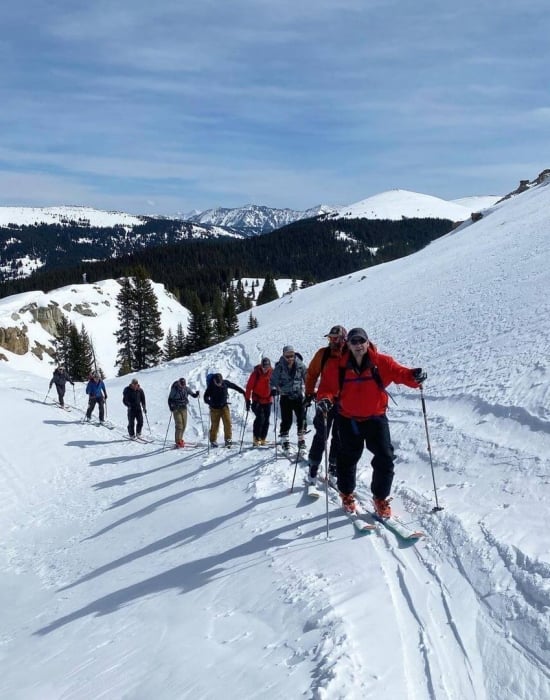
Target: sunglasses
{"type": "Point", "coordinates": [357, 340]}
{"type": "Point", "coordinates": [289, 357]}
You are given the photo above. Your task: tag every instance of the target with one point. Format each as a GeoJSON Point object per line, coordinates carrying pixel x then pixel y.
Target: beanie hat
{"type": "Point", "coordinates": [288, 348]}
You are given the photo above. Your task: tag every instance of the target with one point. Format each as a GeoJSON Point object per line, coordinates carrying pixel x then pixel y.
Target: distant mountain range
{"type": "Point", "coordinates": [52, 237]}
{"type": "Point", "coordinates": [253, 220]}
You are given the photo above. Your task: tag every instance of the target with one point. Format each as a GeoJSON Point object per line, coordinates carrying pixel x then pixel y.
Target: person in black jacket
{"type": "Point", "coordinates": [133, 398]}
{"type": "Point", "coordinates": [60, 379]}
{"type": "Point", "coordinates": [217, 398]}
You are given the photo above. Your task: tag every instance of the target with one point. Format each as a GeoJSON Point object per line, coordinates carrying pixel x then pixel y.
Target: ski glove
{"type": "Point", "coordinates": [309, 400]}
{"type": "Point", "coordinates": [275, 392]}
{"type": "Point", "coordinates": [419, 375]}
{"type": "Point", "coordinates": [248, 405]}
{"type": "Point", "coordinates": [324, 405]}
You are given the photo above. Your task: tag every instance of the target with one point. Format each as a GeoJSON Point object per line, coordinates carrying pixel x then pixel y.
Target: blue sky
{"type": "Point", "coordinates": [166, 106]}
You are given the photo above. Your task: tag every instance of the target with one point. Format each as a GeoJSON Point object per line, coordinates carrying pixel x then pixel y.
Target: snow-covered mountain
{"type": "Point", "coordinates": [86, 216]}
{"type": "Point", "coordinates": [131, 571]}
{"type": "Point", "coordinates": [399, 204]}
{"type": "Point", "coordinates": [255, 220]}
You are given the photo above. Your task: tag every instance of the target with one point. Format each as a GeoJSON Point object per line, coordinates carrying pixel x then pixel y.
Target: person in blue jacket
{"type": "Point", "coordinates": [97, 395]}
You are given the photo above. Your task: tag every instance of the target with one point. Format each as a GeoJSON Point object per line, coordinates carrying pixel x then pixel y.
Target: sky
{"type": "Point", "coordinates": [166, 107]}
{"type": "Point", "coordinates": [137, 572]}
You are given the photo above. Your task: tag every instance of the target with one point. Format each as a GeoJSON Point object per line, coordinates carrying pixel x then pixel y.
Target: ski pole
{"type": "Point", "coordinates": [244, 428]}
{"type": "Point", "coordinates": [437, 507]}
{"type": "Point", "coordinates": [148, 426]}
{"type": "Point", "coordinates": [167, 429]}
{"type": "Point", "coordinates": [325, 429]}
{"type": "Point", "coordinates": [295, 470]}
{"type": "Point", "coordinates": [275, 425]}
{"type": "Point", "coordinates": [200, 416]}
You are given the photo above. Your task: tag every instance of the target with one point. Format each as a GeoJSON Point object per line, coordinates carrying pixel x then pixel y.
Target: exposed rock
{"type": "Point", "coordinates": [47, 316]}
{"type": "Point", "coordinates": [39, 350]}
{"type": "Point", "coordinates": [15, 340]}
{"type": "Point", "coordinates": [544, 175]}
{"type": "Point", "coordinates": [84, 310]}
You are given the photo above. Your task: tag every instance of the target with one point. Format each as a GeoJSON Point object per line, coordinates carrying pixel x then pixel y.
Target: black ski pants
{"type": "Point", "coordinates": [353, 436]}
{"type": "Point", "coordinates": [91, 405]}
{"type": "Point", "coordinates": [260, 427]}
{"type": "Point", "coordinates": [318, 443]}
{"type": "Point", "coordinates": [135, 418]}
{"type": "Point", "coordinates": [290, 406]}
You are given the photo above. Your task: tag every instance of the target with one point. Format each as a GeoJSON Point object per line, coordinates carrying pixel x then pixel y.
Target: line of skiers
{"type": "Point", "coordinates": [346, 379]}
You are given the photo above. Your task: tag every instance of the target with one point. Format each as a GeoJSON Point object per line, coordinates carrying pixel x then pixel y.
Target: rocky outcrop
{"type": "Point", "coordinates": [47, 316]}
{"type": "Point", "coordinates": [15, 340]}
{"type": "Point", "coordinates": [40, 350]}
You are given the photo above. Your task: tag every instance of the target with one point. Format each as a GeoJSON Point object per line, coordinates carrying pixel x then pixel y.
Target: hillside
{"type": "Point", "coordinates": [137, 572]}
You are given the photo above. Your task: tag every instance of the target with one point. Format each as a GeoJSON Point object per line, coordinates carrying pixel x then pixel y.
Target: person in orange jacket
{"type": "Point", "coordinates": [258, 397]}
{"type": "Point", "coordinates": [362, 402]}
{"type": "Point", "coordinates": [324, 368]}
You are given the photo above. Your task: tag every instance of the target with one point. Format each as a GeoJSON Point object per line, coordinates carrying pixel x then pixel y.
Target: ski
{"type": "Point", "coordinates": [356, 518]}
{"type": "Point", "coordinates": [399, 528]}
{"type": "Point", "coordinates": [135, 438]}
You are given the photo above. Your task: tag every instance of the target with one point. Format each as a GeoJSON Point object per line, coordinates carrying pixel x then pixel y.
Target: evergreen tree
{"type": "Point", "coordinates": [169, 350]}
{"type": "Point", "coordinates": [124, 335]}
{"type": "Point", "coordinates": [269, 291]}
{"type": "Point", "coordinates": [230, 314]}
{"type": "Point", "coordinates": [180, 341]}
{"type": "Point", "coordinates": [199, 335]}
{"type": "Point", "coordinates": [62, 343]}
{"type": "Point", "coordinates": [147, 331]}
{"type": "Point", "coordinates": [252, 322]}
{"type": "Point", "coordinates": [219, 329]}
{"type": "Point", "coordinates": [140, 332]}
{"type": "Point", "coordinates": [80, 356]}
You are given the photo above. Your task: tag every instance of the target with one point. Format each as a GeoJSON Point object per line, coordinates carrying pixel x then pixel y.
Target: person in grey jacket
{"type": "Point", "coordinates": [60, 379]}
{"type": "Point", "coordinates": [287, 381]}
{"type": "Point", "coordinates": [178, 400]}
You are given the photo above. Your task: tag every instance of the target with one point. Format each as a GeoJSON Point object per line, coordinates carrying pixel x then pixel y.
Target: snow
{"type": "Point", "coordinates": [478, 202]}
{"type": "Point", "coordinates": [128, 571]}
{"type": "Point", "coordinates": [396, 204]}
{"type": "Point", "coordinates": [29, 216]}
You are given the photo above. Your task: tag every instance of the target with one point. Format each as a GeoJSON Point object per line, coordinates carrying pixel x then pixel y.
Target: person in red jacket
{"type": "Point", "coordinates": [258, 397]}
{"type": "Point", "coordinates": [363, 377]}
{"type": "Point", "coordinates": [324, 368]}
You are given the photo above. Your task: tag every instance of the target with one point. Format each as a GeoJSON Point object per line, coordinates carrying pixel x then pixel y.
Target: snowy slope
{"type": "Point", "coordinates": [477, 203]}
{"type": "Point", "coordinates": [133, 572]}
{"type": "Point", "coordinates": [28, 216]}
{"type": "Point", "coordinates": [396, 204]}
